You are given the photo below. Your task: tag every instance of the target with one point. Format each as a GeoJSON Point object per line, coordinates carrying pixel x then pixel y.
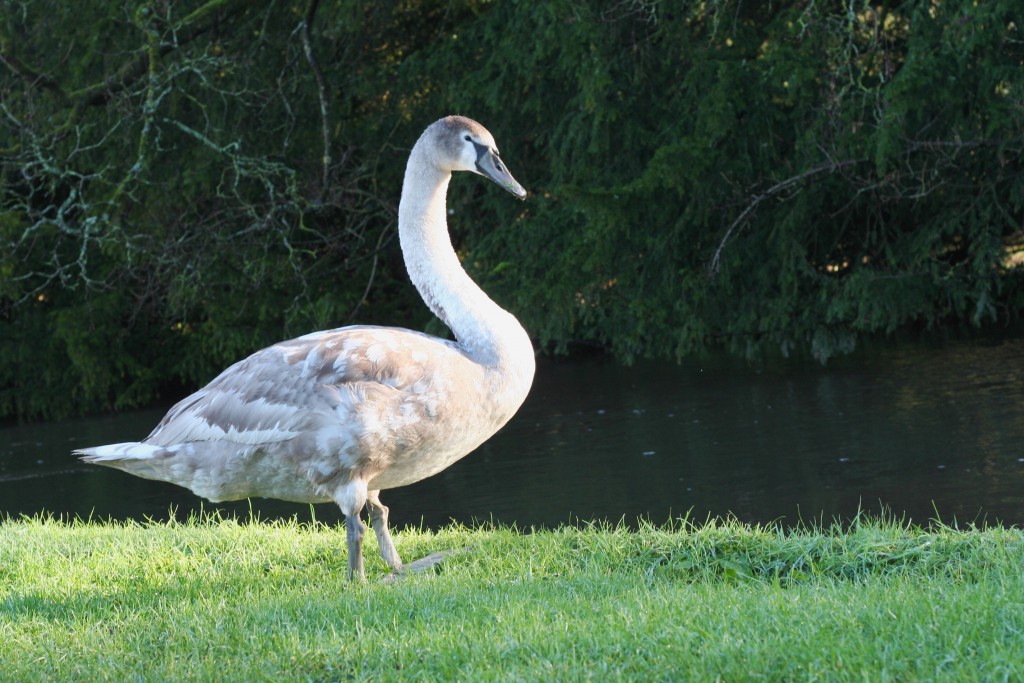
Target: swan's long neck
{"type": "Point", "coordinates": [488, 333]}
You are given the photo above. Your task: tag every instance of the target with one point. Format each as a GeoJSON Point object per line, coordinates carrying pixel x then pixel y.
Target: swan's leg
{"type": "Point", "coordinates": [354, 530]}
{"type": "Point", "coordinates": [351, 498]}
{"type": "Point", "coordinates": [379, 521]}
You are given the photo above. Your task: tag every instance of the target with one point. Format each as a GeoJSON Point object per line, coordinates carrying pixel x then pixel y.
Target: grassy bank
{"type": "Point", "coordinates": [215, 599]}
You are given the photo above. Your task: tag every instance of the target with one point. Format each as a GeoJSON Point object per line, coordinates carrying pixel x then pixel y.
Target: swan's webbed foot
{"type": "Point", "coordinates": [379, 521]}
{"type": "Point", "coordinates": [422, 565]}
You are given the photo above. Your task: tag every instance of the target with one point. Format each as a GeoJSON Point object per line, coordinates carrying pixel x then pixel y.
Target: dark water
{"type": "Point", "coordinates": [911, 430]}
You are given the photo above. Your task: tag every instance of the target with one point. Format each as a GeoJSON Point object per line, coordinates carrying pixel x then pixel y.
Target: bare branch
{"type": "Point", "coordinates": [31, 77]}
{"type": "Point", "coordinates": [827, 167]}
{"type": "Point", "coordinates": [321, 92]}
{"type": "Point", "coordinates": [130, 72]}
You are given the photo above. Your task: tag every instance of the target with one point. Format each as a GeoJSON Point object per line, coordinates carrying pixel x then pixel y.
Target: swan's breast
{"type": "Point", "coordinates": [407, 405]}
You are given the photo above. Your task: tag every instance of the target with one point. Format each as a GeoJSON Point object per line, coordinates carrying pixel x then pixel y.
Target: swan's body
{"type": "Point", "coordinates": [339, 415]}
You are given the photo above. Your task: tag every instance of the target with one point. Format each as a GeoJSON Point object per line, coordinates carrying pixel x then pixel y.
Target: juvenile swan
{"type": "Point", "coordinates": [341, 414]}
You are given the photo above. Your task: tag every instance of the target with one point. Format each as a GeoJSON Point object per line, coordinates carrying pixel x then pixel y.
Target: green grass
{"type": "Point", "coordinates": [215, 599]}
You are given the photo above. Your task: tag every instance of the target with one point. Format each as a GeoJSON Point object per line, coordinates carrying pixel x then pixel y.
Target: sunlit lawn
{"type": "Point", "coordinates": [219, 600]}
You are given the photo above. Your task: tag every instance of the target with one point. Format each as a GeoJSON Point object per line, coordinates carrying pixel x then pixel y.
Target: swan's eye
{"type": "Point", "coordinates": [468, 139]}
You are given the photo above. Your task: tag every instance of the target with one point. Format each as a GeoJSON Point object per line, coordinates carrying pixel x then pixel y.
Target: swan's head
{"type": "Point", "coordinates": [464, 145]}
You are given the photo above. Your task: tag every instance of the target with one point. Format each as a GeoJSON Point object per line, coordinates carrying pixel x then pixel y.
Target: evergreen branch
{"type": "Point", "coordinates": [369, 281]}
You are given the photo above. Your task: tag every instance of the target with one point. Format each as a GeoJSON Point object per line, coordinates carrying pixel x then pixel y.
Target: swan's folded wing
{"type": "Point", "coordinates": [280, 392]}
{"type": "Point", "coordinates": [218, 413]}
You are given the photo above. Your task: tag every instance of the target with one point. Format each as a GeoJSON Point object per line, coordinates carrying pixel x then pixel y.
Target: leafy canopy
{"type": "Point", "coordinates": [183, 183]}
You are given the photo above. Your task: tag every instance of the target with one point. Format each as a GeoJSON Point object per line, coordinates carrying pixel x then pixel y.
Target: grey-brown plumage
{"type": "Point", "coordinates": [339, 415]}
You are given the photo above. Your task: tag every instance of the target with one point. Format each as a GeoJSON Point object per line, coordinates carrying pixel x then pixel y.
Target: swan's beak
{"type": "Point", "coordinates": [488, 164]}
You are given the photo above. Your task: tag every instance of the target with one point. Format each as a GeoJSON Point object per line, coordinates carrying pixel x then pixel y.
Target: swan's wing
{"type": "Point", "coordinates": [392, 356]}
{"type": "Point", "coordinates": [287, 389]}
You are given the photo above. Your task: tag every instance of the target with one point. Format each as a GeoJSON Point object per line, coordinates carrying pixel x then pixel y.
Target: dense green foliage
{"type": "Point", "coordinates": [183, 183]}
{"type": "Point", "coordinates": [216, 600]}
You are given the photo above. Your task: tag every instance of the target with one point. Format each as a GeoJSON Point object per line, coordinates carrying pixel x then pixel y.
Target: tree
{"type": "Point", "coordinates": [185, 182]}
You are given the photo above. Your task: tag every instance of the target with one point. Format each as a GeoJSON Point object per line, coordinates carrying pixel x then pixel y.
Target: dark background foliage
{"type": "Point", "coordinates": [185, 182]}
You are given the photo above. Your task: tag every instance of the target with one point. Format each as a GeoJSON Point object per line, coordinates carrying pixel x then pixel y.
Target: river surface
{"type": "Point", "coordinates": [921, 432]}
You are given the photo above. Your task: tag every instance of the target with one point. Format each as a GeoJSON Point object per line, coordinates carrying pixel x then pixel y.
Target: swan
{"type": "Point", "coordinates": [341, 414]}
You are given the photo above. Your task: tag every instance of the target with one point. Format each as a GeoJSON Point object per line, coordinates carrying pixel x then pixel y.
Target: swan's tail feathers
{"type": "Point", "coordinates": [141, 459]}
{"type": "Point", "coordinates": [113, 454]}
